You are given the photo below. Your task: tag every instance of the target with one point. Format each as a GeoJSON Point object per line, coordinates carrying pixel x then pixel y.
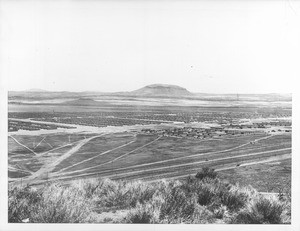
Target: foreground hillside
{"type": "Point", "coordinates": [201, 199]}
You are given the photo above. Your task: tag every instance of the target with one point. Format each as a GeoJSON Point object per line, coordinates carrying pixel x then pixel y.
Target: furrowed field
{"type": "Point", "coordinates": [132, 155]}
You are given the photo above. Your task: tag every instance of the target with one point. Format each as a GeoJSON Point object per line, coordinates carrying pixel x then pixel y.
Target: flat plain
{"type": "Point", "coordinates": [150, 141]}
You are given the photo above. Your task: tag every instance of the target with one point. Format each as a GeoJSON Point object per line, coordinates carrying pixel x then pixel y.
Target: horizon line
{"type": "Point", "coordinates": [113, 92]}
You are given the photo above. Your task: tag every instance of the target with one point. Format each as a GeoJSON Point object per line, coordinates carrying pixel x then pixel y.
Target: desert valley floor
{"type": "Point", "coordinates": [149, 139]}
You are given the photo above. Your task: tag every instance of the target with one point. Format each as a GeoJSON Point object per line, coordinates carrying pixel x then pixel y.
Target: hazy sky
{"type": "Point", "coordinates": [216, 46]}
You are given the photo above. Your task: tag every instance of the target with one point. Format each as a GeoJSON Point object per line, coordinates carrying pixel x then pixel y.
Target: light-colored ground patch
{"type": "Point", "coordinates": [111, 216]}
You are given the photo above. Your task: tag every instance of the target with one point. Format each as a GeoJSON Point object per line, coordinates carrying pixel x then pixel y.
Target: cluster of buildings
{"type": "Point", "coordinates": [14, 126]}
{"type": "Point", "coordinates": [223, 130]}
{"type": "Point", "coordinates": [198, 133]}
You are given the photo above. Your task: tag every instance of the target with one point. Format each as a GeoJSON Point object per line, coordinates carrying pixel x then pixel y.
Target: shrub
{"type": "Point", "coordinates": [62, 205]}
{"type": "Point", "coordinates": [146, 213]}
{"type": "Point", "coordinates": [89, 187]}
{"type": "Point", "coordinates": [234, 198]}
{"type": "Point", "coordinates": [209, 200]}
{"type": "Point", "coordinates": [171, 205]}
{"type": "Point", "coordinates": [22, 202]}
{"type": "Point", "coordinates": [206, 195]}
{"type": "Point", "coordinates": [206, 172]}
{"type": "Point", "coordinates": [178, 205]}
{"type": "Point", "coordinates": [261, 211]}
{"type": "Point", "coordinates": [220, 212]}
{"type": "Point", "coordinates": [53, 204]}
{"type": "Point", "coordinates": [206, 190]}
{"type": "Point", "coordinates": [123, 194]}
{"type": "Point", "coordinates": [113, 194]}
{"type": "Point", "coordinates": [141, 192]}
{"type": "Point", "coordinates": [202, 215]}
{"type": "Point", "coordinates": [143, 214]}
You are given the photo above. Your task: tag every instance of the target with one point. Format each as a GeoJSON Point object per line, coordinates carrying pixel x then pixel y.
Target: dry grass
{"type": "Point", "coordinates": [186, 201]}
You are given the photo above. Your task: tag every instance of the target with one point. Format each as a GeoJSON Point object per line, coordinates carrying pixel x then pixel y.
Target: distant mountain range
{"type": "Point", "coordinates": [149, 91]}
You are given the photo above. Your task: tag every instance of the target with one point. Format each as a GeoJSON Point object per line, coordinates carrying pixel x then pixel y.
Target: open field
{"type": "Point", "coordinates": [162, 142]}
{"type": "Point", "coordinates": [266, 177]}
{"type": "Point", "coordinates": [139, 156]}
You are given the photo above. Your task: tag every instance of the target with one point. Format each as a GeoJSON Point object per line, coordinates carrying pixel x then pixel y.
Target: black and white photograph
{"type": "Point", "coordinates": [149, 115]}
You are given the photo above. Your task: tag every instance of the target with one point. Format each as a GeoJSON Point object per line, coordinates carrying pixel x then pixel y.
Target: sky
{"type": "Point", "coordinates": [109, 46]}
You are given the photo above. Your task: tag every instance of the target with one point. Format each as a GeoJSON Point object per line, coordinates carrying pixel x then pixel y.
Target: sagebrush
{"type": "Point", "coordinates": [191, 200]}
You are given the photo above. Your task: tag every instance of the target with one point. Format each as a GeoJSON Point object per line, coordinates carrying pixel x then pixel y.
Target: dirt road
{"type": "Point", "coordinates": [177, 158]}
{"type": "Point", "coordinates": [23, 145]}
{"type": "Point", "coordinates": [100, 154]}
{"type": "Point", "coordinates": [271, 159]}
{"type": "Point", "coordinates": [49, 167]}
{"type": "Point", "coordinates": [110, 174]}
{"type": "Point", "coordinates": [108, 162]}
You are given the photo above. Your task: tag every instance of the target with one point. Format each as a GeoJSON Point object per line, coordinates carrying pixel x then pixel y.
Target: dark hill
{"type": "Point", "coordinates": [166, 90]}
{"type": "Point", "coordinates": [82, 102]}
